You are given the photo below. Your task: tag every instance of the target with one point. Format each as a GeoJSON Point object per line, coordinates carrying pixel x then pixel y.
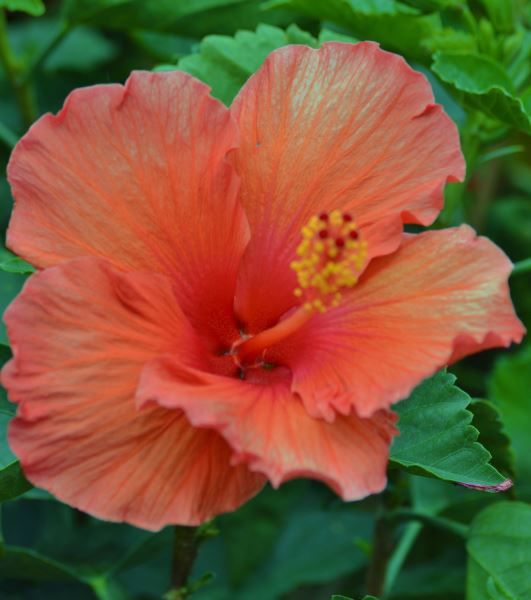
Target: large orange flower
{"type": "Point", "coordinates": [227, 296]}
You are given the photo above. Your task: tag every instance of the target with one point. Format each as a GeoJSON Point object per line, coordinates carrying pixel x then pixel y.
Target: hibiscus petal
{"type": "Point", "coordinates": [269, 429]}
{"type": "Point", "coordinates": [81, 333]}
{"type": "Point", "coordinates": [136, 174]}
{"type": "Point", "coordinates": [349, 127]}
{"type": "Point", "coordinates": [441, 296]}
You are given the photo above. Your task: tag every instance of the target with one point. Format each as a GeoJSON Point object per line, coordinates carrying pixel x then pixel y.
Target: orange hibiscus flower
{"type": "Point", "coordinates": [226, 296]}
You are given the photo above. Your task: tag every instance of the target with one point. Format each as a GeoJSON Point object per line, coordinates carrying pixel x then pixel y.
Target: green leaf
{"type": "Point", "coordinates": [10, 286]}
{"type": "Point", "coordinates": [5, 355]}
{"type": "Point", "coordinates": [509, 224]}
{"type": "Point", "coordinates": [72, 546]}
{"type": "Point", "coordinates": [482, 84]}
{"type": "Point", "coordinates": [150, 545]}
{"type": "Point", "coordinates": [262, 518]}
{"type": "Point", "coordinates": [78, 49]}
{"type": "Point", "coordinates": [12, 480]}
{"type": "Point", "coordinates": [488, 421]}
{"type": "Point", "coordinates": [83, 49]}
{"type": "Point", "coordinates": [31, 7]}
{"type": "Point", "coordinates": [526, 99]}
{"type": "Point", "coordinates": [472, 73]}
{"type": "Point", "coordinates": [517, 50]}
{"type": "Point", "coordinates": [6, 407]}
{"type": "Point", "coordinates": [163, 46]}
{"type": "Point", "coordinates": [436, 438]}
{"type": "Point", "coordinates": [423, 581]}
{"type": "Point", "coordinates": [450, 40]}
{"type": "Point", "coordinates": [225, 63]}
{"type": "Point", "coordinates": [500, 153]}
{"type": "Point", "coordinates": [501, 14]}
{"type": "Point", "coordinates": [432, 5]}
{"type": "Point", "coordinates": [7, 137]}
{"type": "Point", "coordinates": [339, 597]}
{"type": "Point", "coordinates": [327, 35]}
{"type": "Point", "coordinates": [396, 26]}
{"type": "Point", "coordinates": [193, 18]}
{"type": "Point", "coordinates": [499, 551]}
{"type": "Point", "coordinates": [126, 14]}
{"type": "Point", "coordinates": [509, 388]}
{"type": "Point", "coordinates": [14, 264]}
{"type": "Point", "coordinates": [228, 19]}
{"type": "Point", "coordinates": [298, 557]}
{"type": "Point", "coordinates": [145, 571]}
{"type": "Point", "coordinates": [24, 563]}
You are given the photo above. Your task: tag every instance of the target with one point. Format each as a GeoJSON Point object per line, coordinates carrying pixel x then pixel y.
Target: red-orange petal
{"type": "Point", "coordinates": [270, 430]}
{"type": "Point", "coordinates": [136, 174]}
{"type": "Point", "coordinates": [81, 333]}
{"type": "Point", "coordinates": [347, 127]}
{"type": "Point", "coordinates": [441, 296]}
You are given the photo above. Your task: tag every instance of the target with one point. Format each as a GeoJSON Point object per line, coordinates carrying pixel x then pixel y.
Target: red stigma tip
{"type": "Point", "coordinates": [323, 234]}
{"type": "Point", "coordinates": [347, 218]}
{"type": "Point", "coordinates": [353, 235]}
{"type": "Point", "coordinates": [323, 216]}
{"type": "Point", "coordinates": [340, 242]}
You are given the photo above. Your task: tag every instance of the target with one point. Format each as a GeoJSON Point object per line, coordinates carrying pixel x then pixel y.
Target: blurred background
{"type": "Point", "coordinates": [299, 542]}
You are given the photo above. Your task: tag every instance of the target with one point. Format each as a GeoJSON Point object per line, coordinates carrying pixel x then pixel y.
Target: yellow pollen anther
{"type": "Point", "coordinates": [330, 258]}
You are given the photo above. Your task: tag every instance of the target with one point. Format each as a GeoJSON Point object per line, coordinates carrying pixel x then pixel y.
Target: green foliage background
{"type": "Point", "coordinates": [424, 538]}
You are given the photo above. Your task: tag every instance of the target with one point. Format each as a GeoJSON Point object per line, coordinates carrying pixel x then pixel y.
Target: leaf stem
{"type": "Point", "coordinates": [409, 536]}
{"type": "Point", "coordinates": [399, 555]}
{"type": "Point", "coordinates": [21, 89]}
{"type": "Point", "coordinates": [105, 589]}
{"type": "Point", "coordinates": [522, 266]}
{"type": "Point", "coordinates": [439, 522]}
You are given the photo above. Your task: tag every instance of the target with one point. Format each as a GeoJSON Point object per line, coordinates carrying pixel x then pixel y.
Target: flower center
{"type": "Point", "coordinates": [330, 257]}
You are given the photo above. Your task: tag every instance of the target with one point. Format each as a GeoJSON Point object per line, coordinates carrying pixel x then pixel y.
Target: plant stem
{"type": "Point", "coordinates": [21, 89]}
{"type": "Point", "coordinates": [522, 266]}
{"type": "Point", "coordinates": [185, 545]}
{"type": "Point", "coordinates": [381, 551]}
{"type": "Point", "coordinates": [399, 555]}
{"type": "Point", "coordinates": [383, 538]}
